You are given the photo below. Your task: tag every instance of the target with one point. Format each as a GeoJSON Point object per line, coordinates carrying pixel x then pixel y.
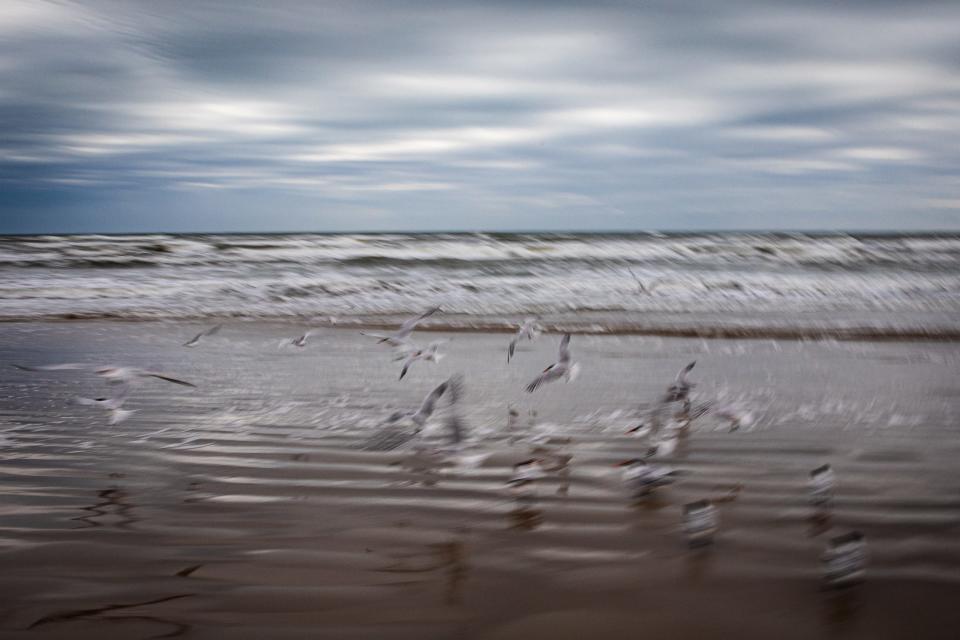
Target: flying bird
{"type": "Point", "coordinates": [114, 405]}
{"type": "Point", "coordinates": [560, 369]}
{"type": "Point", "coordinates": [681, 386]}
{"type": "Point", "coordinates": [528, 331]}
{"type": "Point", "coordinates": [300, 341]}
{"type": "Point", "coordinates": [113, 374]}
{"type": "Point", "coordinates": [736, 414]}
{"type": "Point", "coordinates": [430, 354]}
{"type": "Point", "coordinates": [403, 426]}
{"type": "Point", "coordinates": [399, 337]}
{"type": "Point", "coordinates": [195, 340]}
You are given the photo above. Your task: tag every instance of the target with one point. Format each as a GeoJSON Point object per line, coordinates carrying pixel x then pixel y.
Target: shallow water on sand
{"type": "Point", "coordinates": [246, 509]}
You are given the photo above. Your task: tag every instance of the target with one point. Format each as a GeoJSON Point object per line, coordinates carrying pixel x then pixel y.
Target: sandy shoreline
{"type": "Point", "coordinates": [246, 509]}
{"type": "Point", "coordinates": [920, 328]}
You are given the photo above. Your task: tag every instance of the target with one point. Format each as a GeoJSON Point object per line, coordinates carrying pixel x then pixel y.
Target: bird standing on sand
{"type": "Point", "coordinates": [560, 369]}
{"type": "Point", "coordinates": [845, 560]}
{"type": "Point", "coordinates": [821, 486]}
{"type": "Point", "coordinates": [641, 477]}
{"type": "Point", "coordinates": [299, 341]}
{"type": "Point", "coordinates": [399, 337]}
{"type": "Point", "coordinates": [527, 331]}
{"type": "Point", "coordinates": [701, 519]}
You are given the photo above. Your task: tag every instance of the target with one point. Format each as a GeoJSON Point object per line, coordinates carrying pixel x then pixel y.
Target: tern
{"type": "Point", "coordinates": [399, 337]}
{"type": "Point", "coordinates": [113, 374]}
{"type": "Point", "coordinates": [430, 354]}
{"type": "Point", "coordinates": [403, 426]}
{"type": "Point", "coordinates": [560, 369]}
{"type": "Point", "coordinates": [195, 340]}
{"type": "Point", "coordinates": [527, 331]}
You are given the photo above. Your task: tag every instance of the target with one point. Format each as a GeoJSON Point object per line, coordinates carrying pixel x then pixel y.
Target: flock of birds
{"type": "Point", "coordinates": [663, 426]}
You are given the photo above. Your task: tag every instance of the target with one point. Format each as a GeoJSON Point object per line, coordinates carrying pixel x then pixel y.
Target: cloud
{"type": "Point", "coordinates": [477, 115]}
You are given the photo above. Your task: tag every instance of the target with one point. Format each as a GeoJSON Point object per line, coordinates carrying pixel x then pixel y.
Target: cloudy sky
{"type": "Point", "coordinates": [403, 115]}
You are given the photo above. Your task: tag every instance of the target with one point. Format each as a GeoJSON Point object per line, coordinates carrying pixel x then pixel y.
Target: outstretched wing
{"type": "Point", "coordinates": [389, 437]}
{"type": "Point", "coordinates": [70, 366]}
{"type": "Point", "coordinates": [565, 348]}
{"type": "Point", "coordinates": [161, 376]}
{"type": "Point", "coordinates": [548, 374]}
{"type": "Point", "coordinates": [410, 323]}
{"type": "Point", "coordinates": [203, 334]}
{"type": "Point", "coordinates": [393, 341]}
{"type": "Point", "coordinates": [511, 348]}
{"type": "Point", "coordinates": [682, 376]}
{"type": "Point", "coordinates": [406, 365]}
{"type": "Point", "coordinates": [454, 422]}
{"type": "Point", "coordinates": [430, 402]}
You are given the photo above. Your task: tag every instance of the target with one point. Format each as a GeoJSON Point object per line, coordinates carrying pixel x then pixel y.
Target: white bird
{"type": "Point", "coordinates": [560, 369]}
{"type": "Point", "coordinates": [399, 337]}
{"type": "Point", "coordinates": [398, 430]}
{"type": "Point", "coordinates": [701, 519]}
{"type": "Point", "coordinates": [641, 477]}
{"type": "Point", "coordinates": [195, 340]}
{"type": "Point", "coordinates": [663, 445]}
{"type": "Point", "coordinates": [299, 341]}
{"type": "Point", "coordinates": [114, 405]}
{"type": "Point", "coordinates": [845, 560]}
{"type": "Point", "coordinates": [681, 386]}
{"type": "Point", "coordinates": [528, 330]}
{"type": "Point", "coordinates": [737, 415]}
{"type": "Point", "coordinates": [113, 375]}
{"type": "Point", "coordinates": [821, 485]}
{"type": "Point", "coordinates": [430, 354]}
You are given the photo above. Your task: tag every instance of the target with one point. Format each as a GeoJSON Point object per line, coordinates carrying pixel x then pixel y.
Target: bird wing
{"type": "Point", "coordinates": [395, 340]}
{"type": "Point", "coordinates": [548, 374]}
{"type": "Point", "coordinates": [389, 437]}
{"type": "Point", "coordinates": [406, 365]}
{"type": "Point", "coordinates": [429, 403]}
{"type": "Point", "coordinates": [162, 376]}
{"type": "Point", "coordinates": [203, 334]}
{"type": "Point", "coordinates": [70, 366]}
{"type": "Point", "coordinates": [511, 348]}
{"type": "Point", "coordinates": [682, 376]}
{"type": "Point", "coordinates": [565, 348]}
{"type": "Point", "coordinates": [410, 323]}
{"type": "Point", "coordinates": [454, 422]}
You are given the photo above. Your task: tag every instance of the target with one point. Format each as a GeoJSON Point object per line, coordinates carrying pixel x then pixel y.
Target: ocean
{"type": "Point", "coordinates": [720, 284]}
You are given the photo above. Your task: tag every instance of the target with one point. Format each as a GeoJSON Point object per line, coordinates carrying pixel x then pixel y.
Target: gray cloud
{"type": "Point", "coordinates": [445, 115]}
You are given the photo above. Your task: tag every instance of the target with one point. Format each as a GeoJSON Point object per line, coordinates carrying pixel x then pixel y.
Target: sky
{"type": "Point", "coordinates": [359, 115]}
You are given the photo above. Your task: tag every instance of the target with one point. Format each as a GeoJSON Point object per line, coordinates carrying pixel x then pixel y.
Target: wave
{"type": "Point", "coordinates": [908, 283]}
{"type": "Point", "coordinates": [769, 250]}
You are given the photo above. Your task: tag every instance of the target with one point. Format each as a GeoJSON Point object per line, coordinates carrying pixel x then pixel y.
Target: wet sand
{"type": "Point", "coordinates": [246, 509]}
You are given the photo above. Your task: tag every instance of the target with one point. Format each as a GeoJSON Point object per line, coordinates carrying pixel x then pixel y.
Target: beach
{"type": "Point", "coordinates": [246, 507]}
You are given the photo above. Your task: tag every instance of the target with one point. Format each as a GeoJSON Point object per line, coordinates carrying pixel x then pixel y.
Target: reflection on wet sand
{"type": "Point", "coordinates": [99, 612]}
{"type": "Point", "coordinates": [281, 526]}
{"type": "Point", "coordinates": [112, 510]}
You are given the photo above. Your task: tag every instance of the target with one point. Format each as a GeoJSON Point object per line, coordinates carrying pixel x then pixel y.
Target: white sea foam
{"type": "Point", "coordinates": [879, 283]}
